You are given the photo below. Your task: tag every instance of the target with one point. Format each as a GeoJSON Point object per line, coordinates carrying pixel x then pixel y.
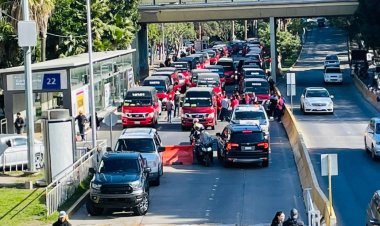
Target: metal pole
{"type": "Point", "coordinates": [163, 42]}
{"type": "Point", "coordinates": [233, 31]}
{"type": "Point", "coordinates": [111, 130]}
{"type": "Point", "coordinates": [330, 190]}
{"type": "Point", "coordinates": [245, 29]}
{"type": "Point", "coordinates": [29, 94]}
{"type": "Point", "coordinates": [291, 98]}
{"type": "Point", "coordinates": [273, 55]}
{"type": "Point", "coordinates": [92, 95]}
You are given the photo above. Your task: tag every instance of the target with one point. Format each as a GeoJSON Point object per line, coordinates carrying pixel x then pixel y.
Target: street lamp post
{"type": "Point", "coordinates": [91, 70]}
{"type": "Point", "coordinates": [26, 43]}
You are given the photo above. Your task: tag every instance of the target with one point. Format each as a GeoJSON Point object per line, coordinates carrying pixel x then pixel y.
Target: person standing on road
{"type": "Point", "coordinates": [169, 108]}
{"type": "Point", "coordinates": [234, 102]}
{"type": "Point", "coordinates": [62, 220]}
{"type": "Point", "coordinates": [273, 103]}
{"type": "Point", "coordinates": [279, 108]}
{"type": "Point", "coordinates": [293, 219]}
{"type": "Point", "coordinates": [177, 103]}
{"type": "Point", "coordinates": [278, 219]}
{"type": "Point", "coordinates": [271, 83]}
{"type": "Point", "coordinates": [225, 105]}
{"type": "Point", "coordinates": [19, 123]}
{"type": "Point", "coordinates": [81, 118]}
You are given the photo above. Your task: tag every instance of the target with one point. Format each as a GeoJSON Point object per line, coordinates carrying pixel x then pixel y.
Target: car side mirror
{"type": "Point", "coordinates": [161, 149]}
{"type": "Point", "coordinates": [92, 170]}
{"type": "Point", "coordinates": [218, 134]}
{"type": "Point", "coordinates": [8, 143]}
{"type": "Point", "coordinates": [109, 149]}
{"type": "Point", "coordinates": [147, 170]}
{"type": "Point", "coordinates": [332, 96]}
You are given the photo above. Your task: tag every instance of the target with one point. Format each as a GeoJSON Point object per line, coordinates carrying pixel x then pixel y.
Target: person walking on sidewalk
{"type": "Point", "coordinates": [293, 219]}
{"type": "Point", "coordinates": [278, 219]}
{"type": "Point", "coordinates": [169, 108]}
{"type": "Point", "coordinates": [81, 118]}
{"type": "Point", "coordinates": [19, 123]}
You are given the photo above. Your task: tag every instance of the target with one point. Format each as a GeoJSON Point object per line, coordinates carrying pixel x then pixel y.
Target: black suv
{"type": "Point", "coordinates": [243, 144]}
{"type": "Point", "coordinates": [120, 182]}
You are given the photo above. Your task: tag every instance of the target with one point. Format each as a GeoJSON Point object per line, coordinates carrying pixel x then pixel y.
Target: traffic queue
{"type": "Point", "coordinates": [197, 83]}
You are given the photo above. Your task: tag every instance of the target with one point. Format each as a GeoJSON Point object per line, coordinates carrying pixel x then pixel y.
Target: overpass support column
{"type": "Point", "coordinates": [273, 48]}
{"type": "Point", "coordinates": [142, 39]}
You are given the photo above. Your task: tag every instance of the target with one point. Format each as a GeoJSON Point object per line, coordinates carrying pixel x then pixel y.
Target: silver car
{"type": "Point", "coordinates": [372, 138]}
{"type": "Point", "coordinates": [14, 151]}
{"type": "Point", "coordinates": [373, 210]}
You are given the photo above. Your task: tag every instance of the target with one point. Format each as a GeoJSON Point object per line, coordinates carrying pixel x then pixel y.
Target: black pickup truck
{"type": "Point", "coordinates": [120, 182]}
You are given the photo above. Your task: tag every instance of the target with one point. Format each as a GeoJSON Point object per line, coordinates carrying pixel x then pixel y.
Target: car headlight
{"type": "Point", "coordinates": [331, 104]}
{"type": "Point", "coordinates": [212, 115]}
{"type": "Point", "coordinates": [127, 115]}
{"type": "Point", "coordinates": [152, 164]}
{"type": "Point", "coordinates": [150, 115]}
{"type": "Point", "coordinates": [136, 184]}
{"type": "Point", "coordinates": [306, 103]}
{"type": "Point", "coordinates": [96, 186]}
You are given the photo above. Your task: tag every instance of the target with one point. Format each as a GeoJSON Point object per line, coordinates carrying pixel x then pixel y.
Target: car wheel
{"type": "Point", "coordinates": [39, 160]}
{"type": "Point", "coordinates": [157, 181]}
{"type": "Point", "coordinates": [265, 163]}
{"type": "Point", "coordinates": [219, 155]}
{"type": "Point", "coordinates": [226, 163]}
{"type": "Point", "coordinates": [143, 206]}
{"type": "Point", "coordinates": [303, 110]}
{"type": "Point", "coordinates": [93, 210]}
{"type": "Point", "coordinates": [365, 145]}
{"type": "Point", "coordinates": [212, 127]}
{"type": "Point", "coordinates": [161, 170]}
{"type": "Point", "coordinates": [373, 156]}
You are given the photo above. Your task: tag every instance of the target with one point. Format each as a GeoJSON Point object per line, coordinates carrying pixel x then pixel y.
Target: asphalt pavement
{"type": "Point", "coordinates": [241, 195]}
{"type": "Point", "coordinates": [340, 133]}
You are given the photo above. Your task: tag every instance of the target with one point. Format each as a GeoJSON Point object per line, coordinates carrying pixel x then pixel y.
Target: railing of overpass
{"type": "Point", "coordinates": [189, 2]}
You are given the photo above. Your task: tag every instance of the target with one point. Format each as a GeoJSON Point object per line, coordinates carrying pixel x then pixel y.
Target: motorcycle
{"type": "Point", "coordinates": [203, 149]}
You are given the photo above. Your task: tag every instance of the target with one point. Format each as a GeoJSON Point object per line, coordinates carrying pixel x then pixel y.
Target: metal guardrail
{"type": "Point", "coordinates": [61, 189]}
{"type": "Point", "coordinates": [313, 214]}
{"type": "Point", "coordinates": [180, 2]}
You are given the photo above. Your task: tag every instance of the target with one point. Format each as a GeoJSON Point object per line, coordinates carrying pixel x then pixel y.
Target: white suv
{"type": "Point", "coordinates": [372, 138]}
{"type": "Point", "coordinates": [148, 143]}
{"type": "Point", "coordinates": [251, 114]}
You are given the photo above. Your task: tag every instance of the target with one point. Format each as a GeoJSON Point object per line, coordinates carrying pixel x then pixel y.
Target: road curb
{"type": "Point", "coordinates": [76, 206]}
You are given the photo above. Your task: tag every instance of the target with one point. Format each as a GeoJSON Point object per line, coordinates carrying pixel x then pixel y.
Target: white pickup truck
{"type": "Point", "coordinates": [333, 74]}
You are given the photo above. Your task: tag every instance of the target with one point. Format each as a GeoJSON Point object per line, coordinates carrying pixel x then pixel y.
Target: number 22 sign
{"type": "Point", "coordinates": [51, 81]}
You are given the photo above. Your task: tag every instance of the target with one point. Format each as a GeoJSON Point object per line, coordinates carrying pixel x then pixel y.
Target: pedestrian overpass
{"type": "Point", "coordinates": [168, 11]}
{"type": "Point", "coordinates": [164, 11]}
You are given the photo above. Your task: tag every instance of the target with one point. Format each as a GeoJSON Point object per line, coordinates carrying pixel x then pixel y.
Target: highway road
{"type": "Point", "coordinates": [341, 133]}
{"type": "Point", "coordinates": [242, 195]}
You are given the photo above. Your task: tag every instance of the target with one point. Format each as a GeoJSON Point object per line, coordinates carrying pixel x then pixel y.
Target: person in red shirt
{"type": "Point", "coordinates": [234, 102]}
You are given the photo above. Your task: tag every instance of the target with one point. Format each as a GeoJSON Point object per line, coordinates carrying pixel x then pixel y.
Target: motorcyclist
{"type": "Point", "coordinates": [195, 130]}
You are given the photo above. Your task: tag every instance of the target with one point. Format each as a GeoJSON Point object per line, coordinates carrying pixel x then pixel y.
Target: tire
{"type": "Point", "coordinates": [207, 161]}
{"type": "Point", "coordinates": [93, 210]}
{"type": "Point", "coordinates": [161, 170]}
{"type": "Point", "coordinates": [212, 127]}
{"type": "Point", "coordinates": [219, 155]}
{"type": "Point", "coordinates": [303, 110]}
{"type": "Point", "coordinates": [226, 164]}
{"type": "Point", "coordinates": [365, 146]}
{"type": "Point", "coordinates": [39, 160]}
{"type": "Point", "coordinates": [373, 156]}
{"type": "Point", "coordinates": [142, 208]}
{"type": "Point", "coordinates": [157, 181]}
{"type": "Point", "coordinates": [265, 163]}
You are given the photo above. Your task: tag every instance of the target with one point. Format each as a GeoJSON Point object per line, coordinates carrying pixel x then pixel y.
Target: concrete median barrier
{"type": "Point", "coordinates": [368, 95]}
{"type": "Point", "coordinates": [178, 155]}
{"type": "Point", "coordinates": [305, 168]}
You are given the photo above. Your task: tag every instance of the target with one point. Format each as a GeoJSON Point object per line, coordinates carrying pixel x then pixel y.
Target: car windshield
{"type": "Point", "coordinates": [228, 66]}
{"type": "Point", "coordinates": [208, 83]}
{"type": "Point", "coordinates": [142, 145]}
{"type": "Point", "coordinates": [197, 102]}
{"type": "Point", "coordinates": [119, 165]}
{"type": "Point", "coordinates": [249, 115]}
{"type": "Point", "coordinates": [257, 89]}
{"type": "Point", "coordinates": [333, 70]}
{"type": "Point", "coordinates": [254, 74]}
{"type": "Point", "coordinates": [253, 137]}
{"type": "Point", "coordinates": [377, 128]}
{"type": "Point", "coordinates": [332, 57]}
{"type": "Point", "coordinates": [317, 93]}
{"type": "Point", "coordinates": [137, 102]}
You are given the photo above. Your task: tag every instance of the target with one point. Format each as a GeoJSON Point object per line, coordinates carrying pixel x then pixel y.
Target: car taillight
{"type": "Point", "coordinates": [246, 131]}
{"type": "Point", "coordinates": [231, 145]}
{"type": "Point", "coordinates": [265, 145]}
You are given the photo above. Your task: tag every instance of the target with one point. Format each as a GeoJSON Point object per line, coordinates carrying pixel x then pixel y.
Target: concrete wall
{"type": "Point", "coordinates": [305, 168]}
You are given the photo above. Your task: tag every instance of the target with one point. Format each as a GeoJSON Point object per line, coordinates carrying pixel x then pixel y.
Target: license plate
{"type": "Point", "coordinates": [248, 148]}
{"type": "Point", "coordinates": [137, 122]}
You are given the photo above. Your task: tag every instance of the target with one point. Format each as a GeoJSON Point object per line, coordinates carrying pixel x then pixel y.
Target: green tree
{"type": "Point", "coordinates": [176, 32]}
{"type": "Point", "coordinates": [10, 53]}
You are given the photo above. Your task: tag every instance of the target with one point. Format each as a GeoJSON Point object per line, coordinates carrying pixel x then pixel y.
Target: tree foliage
{"type": "Point", "coordinates": [10, 53]}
